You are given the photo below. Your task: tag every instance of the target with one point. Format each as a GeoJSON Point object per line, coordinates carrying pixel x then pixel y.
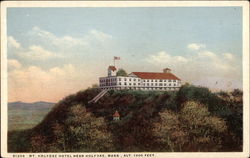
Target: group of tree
{"type": "Point", "coordinates": [191, 119]}
{"type": "Point", "coordinates": [80, 131]}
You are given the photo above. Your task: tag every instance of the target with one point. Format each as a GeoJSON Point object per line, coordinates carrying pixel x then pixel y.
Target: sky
{"type": "Point", "coordinates": [54, 52]}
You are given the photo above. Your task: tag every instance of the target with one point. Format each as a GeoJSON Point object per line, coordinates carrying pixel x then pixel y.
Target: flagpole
{"type": "Point", "coordinates": [114, 61]}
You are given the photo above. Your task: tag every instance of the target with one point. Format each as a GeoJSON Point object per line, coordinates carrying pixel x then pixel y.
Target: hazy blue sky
{"type": "Point", "coordinates": [66, 49]}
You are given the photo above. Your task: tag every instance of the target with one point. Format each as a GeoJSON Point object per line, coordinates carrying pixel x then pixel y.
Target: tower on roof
{"type": "Point", "coordinates": [166, 70]}
{"type": "Point", "coordinates": [111, 71]}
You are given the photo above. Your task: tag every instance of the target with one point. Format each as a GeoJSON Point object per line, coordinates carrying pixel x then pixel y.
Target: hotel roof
{"type": "Point", "coordinates": [155, 75]}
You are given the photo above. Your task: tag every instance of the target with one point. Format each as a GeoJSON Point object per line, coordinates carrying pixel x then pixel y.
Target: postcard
{"type": "Point", "coordinates": [124, 79]}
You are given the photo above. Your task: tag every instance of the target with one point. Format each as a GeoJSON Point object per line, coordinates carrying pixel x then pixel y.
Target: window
{"type": "Point", "coordinates": [138, 79]}
{"type": "Point", "coordinates": [148, 84]}
{"type": "Point", "coordinates": [120, 83]}
{"type": "Point", "coordinates": [134, 79]}
{"type": "Point", "coordinates": [130, 79]}
{"type": "Point", "coordinates": [160, 84]}
{"type": "Point", "coordinates": [156, 84]}
{"type": "Point", "coordinates": [165, 80]}
{"type": "Point", "coordinates": [125, 83]}
{"type": "Point", "coordinates": [152, 80]}
{"type": "Point", "coordinates": [138, 83]}
{"type": "Point", "coordinates": [147, 80]}
{"type": "Point", "coordinates": [152, 84]}
{"type": "Point", "coordinates": [120, 79]}
{"type": "Point", "coordinates": [160, 80]}
{"type": "Point", "coordinates": [129, 83]}
{"type": "Point", "coordinates": [134, 84]}
{"type": "Point", "coordinates": [125, 79]}
{"type": "Point", "coordinates": [164, 84]}
{"type": "Point", "coordinates": [170, 84]}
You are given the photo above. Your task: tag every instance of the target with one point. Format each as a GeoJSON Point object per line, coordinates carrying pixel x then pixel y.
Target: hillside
{"type": "Point", "coordinates": [23, 115]}
{"type": "Point", "coordinates": [191, 119]}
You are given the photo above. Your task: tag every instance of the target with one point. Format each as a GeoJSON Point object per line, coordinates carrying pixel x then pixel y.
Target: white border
{"type": "Point", "coordinates": [243, 4]}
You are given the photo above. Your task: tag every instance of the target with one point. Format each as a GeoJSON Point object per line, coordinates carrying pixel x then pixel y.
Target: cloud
{"type": "Point", "coordinates": [36, 52]}
{"type": "Point", "coordinates": [46, 66]}
{"type": "Point", "coordinates": [13, 43]}
{"type": "Point", "coordinates": [66, 43]}
{"type": "Point", "coordinates": [202, 67]}
{"type": "Point", "coordinates": [33, 52]}
{"type": "Point", "coordinates": [12, 63]}
{"type": "Point", "coordinates": [33, 83]}
{"type": "Point", "coordinates": [196, 46]}
{"type": "Point", "coordinates": [41, 45]}
{"type": "Point", "coordinates": [163, 58]}
{"type": "Point", "coordinates": [100, 36]}
{"type": "Point", "coordinates": [228, 56]}
{"type": "Point", "coordinates": [208, 54]}
{"type": "Point", "coordinates": [51, 42]}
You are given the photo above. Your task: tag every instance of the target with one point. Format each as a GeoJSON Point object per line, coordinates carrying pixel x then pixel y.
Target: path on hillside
{"type": "Point", "coordinates": [99, 96]}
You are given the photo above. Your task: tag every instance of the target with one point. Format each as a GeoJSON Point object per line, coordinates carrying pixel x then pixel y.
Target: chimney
{"type": "Point", "coordinates": [166, 70]}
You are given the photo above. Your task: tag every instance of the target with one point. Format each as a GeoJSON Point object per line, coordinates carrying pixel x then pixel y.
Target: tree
{"type": "Point", "coordinates": [192, 129]}
{"type": "Point", "coordinates": [60, 137]}
{"type": "Point", "coordinates": [204, 130]}
{"type": "Point", "coordinates": [121, 72]}
{"type": "Point", "coordinates": [168, 132]}
{"type": "Point", "coordinates": [83, 132]}
{"type": "Point", "coordinates": [237, 92]}
{"type": "Point", "coordinates": [38, 143]}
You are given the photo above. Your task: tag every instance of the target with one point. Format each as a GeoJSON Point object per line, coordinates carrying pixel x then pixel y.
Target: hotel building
{"type": "Point", "coordinates": [160, 81]}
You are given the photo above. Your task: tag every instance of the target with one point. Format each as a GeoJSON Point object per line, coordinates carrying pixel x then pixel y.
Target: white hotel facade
{"type": "Point", "coordinates": [165, 81]}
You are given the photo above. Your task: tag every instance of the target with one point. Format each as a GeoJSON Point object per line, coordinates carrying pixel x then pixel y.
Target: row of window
{"type": "Point", "coordinates": [160, 84]}
{"type": "Point", "coordinates": [152, 84]}
{"type": "Point", "coordinates": [135, 79]}
{"type": "Point", "coordinates": [151, 80]}
{"type": "Point", "coordinates": [125, 79]}
{"type": "Point", "coordinates": [109, 79]}
{"type": "Point", "coordinates": [144, 88]}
